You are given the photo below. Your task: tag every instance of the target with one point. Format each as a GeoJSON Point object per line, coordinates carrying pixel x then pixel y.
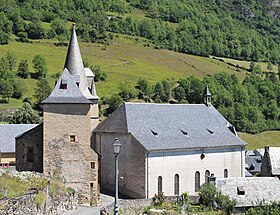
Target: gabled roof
{"type": "Point", "coordinates": [176, 126]}
{"type": "Point", "coordinates": [257, 189]}
{"type": "Point", "coordinates": [274, 153]}
{"type": "Point", "coordinates": [71, 95]}
{"type": "Point", "coordinates": [8, 133]}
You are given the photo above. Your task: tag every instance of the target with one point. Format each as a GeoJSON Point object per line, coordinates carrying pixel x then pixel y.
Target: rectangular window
{"type": "Point", "coordinates": [92, 165]}
{"type": "Point", "coordinates": [30, 154]}
{"type": "Point", "coordinates": [72, 138]}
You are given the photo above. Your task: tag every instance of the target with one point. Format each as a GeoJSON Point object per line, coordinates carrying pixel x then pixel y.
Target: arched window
{"type": "Point", "coordinates": [225, 173]}
{"type": "Point", "coordinates": [159, 184]}
{"type": "Point", "coordinates": [176, 185]}
{"type": "Point", "coordinates": [197, 181]}
{"type": "Point", "coordinates": [207, 174]}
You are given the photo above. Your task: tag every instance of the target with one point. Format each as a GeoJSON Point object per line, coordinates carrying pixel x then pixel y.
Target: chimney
{"type": "Point", "coordinates": [266, 149]}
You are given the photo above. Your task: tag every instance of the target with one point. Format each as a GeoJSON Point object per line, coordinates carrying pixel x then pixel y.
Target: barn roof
{"type": "Point", "coordinates": [172, 126]}
{"type": "Point", "coordinates": [70, 95]}
{"type": "Point", "coordinates": [8, 133]}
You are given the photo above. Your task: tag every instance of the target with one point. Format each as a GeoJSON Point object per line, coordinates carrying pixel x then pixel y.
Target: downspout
{"type": "Point", "coordinates": [147, 175]}
{"type": "Point", "coordinates": [242, 163]}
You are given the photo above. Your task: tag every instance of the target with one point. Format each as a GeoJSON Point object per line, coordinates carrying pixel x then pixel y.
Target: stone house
{"type": "Point", "coordinates": [8, 133]}
{"type": "Point", "coordinates": [271, 162]}
{"type": "Point", "coordinates": [168, 148]}
{"type": "Point", "coordinates": [61, 145]}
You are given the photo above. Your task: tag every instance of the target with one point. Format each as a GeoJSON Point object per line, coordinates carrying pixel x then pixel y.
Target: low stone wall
{"type": "Point", "coordinates": [130, 206]}
{"type": "Point", "coordinates": [137, 206]}
{"type": "Point", "coordinates": [26, 205]}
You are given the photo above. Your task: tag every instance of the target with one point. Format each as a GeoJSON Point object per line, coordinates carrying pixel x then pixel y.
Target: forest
{"type": "Point", "coordinates": [237, 29]}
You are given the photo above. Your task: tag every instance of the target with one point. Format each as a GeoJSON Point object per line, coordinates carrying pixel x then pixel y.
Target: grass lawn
{"type": "Point", "coordinates": [256, 141]}
{"type": "Point", "coordinates": [126, 58]}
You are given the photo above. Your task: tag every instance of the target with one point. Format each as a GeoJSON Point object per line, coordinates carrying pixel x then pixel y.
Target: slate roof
{"type": "Point", "coordinates": [71, 95]}
{"type": "Point", "coordinates": [253, 161]}
{"type": "Point", "coordinates": [172, 126]}
{"type": "Point", "coordinates": [75, 66]}
{"type": "Point", "coordinates": [256, 189]}
{"type": "Point", "coordinates": [8, 132]}
{"type": "Point", "coordinates": [274, 153]}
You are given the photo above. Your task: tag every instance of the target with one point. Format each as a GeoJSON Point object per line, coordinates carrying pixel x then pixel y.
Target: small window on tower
{"type": "Point", "coordinates": [63, 86]}
{"type": "Point", "coordinates": [72, 138]}
{"type": "Point", "coordinates": [92, 165]}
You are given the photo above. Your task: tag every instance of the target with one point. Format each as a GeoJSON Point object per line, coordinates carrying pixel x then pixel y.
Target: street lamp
{"type": "Point", "coordinates": [117, 149]}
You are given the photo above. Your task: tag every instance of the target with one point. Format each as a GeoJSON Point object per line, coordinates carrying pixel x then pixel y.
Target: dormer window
{"type": "Point", "coordinates": [184, 132]}
{"type": "Point", "coordinates": [240, 191]}
{"type": "Point", "coordinates": [154, 133]}
{"type": "Point", "coordinates": [211, 132]}
{"type": "Point", "coordinates": [63, 85]}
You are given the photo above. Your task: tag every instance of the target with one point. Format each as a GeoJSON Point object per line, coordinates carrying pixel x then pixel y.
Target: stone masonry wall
{"type": "Point", "coordinates": [33, 139]}
{"type": "Point", "coordinates": [26, 205]}
{"type": "Point", "coordinates": [67, 159]}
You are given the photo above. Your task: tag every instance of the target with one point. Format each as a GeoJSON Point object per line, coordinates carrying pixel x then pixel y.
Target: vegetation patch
{"type": "Point", "coordinates": [40, 199]}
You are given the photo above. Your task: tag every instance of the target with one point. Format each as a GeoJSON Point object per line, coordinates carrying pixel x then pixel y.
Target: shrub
{"type": "Point", "coordinates": [159, 199]}
{"type": "Point", "coordinates": [207, 194]}
{"type": "Point", "coordinates": [40, 199]}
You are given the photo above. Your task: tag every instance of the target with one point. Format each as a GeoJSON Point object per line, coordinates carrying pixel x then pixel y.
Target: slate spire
{"type": "Point", "coordinates": [74, 64]}
{"type": "Point", "coordinates": [207, 96]}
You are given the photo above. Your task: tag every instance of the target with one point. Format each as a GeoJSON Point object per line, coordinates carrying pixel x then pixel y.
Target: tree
{"type": "Point", "coordinates": [42, 91]}
{"type": "Point", "coordinates": [11, 59]}
{"type": "Point", "coordinates": [145, 90]}
{"type": "Point", "coordinates": [23, 70]}
{"type": "Point", "coordinates": [114, 102]}
{"type": "Point", "coordinates": [58, 26]}
{"type": "Point", "coordinates": [22, 37]}
{"type": "Point", "coordinates": [269, 66]}
{"type": "Point", "coordinates": [7, 89]}
{"type": "Point", "coordinates": [40, 66]}
{"type": "Point", "coordinates": [158, 92]}
{"type": "Point", "coordinates": [99, 75]}
{"type": "Point", "coordinates": [126, 91]}
{"type": "Point", "coordinates": [35, 30]}
{"type": "Point", "coordinates": [25, 115]}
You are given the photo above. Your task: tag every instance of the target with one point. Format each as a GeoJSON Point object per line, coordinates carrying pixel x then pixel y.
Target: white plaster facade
{"type": "Point", "coordinates": [139, 169]}
{"type": "Point", "coordinates": [186, 163]}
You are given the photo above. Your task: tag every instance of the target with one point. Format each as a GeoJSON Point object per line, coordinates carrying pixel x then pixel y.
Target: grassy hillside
{"type": "Point", "coordinates": [256, 141]}
{"type": "Point", "coordinates": [126, 58]}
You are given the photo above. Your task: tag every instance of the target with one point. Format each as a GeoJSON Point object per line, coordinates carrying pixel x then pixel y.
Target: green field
{"type": "Point", "coordinates": [126, 58]}
{"type": "Point", "coordinates": [257, 141]}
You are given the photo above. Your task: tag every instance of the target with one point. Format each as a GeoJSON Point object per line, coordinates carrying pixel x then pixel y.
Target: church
{"type": "Point", "coordinates": [169, 148]}
{"type": "Point", "coordinates": [164, 148]}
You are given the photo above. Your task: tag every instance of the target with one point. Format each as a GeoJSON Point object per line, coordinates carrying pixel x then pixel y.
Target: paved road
{"type": "Point", "coordinates": [106, 200]}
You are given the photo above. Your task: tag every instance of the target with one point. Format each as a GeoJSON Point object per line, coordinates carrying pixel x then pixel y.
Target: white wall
{"type": "Point", "coordinates": [185, 164]}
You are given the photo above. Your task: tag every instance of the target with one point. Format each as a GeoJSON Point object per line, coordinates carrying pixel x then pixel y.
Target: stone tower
{"type": "Point", "coordinates": [70, 114]}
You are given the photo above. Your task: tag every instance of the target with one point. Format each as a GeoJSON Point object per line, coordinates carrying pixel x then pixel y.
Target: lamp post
{"type": "Point", "coordinates": [117, 148]}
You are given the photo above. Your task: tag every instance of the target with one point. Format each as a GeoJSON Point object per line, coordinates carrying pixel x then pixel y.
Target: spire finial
{"type": "Point", "coordinates": [207, 96]}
